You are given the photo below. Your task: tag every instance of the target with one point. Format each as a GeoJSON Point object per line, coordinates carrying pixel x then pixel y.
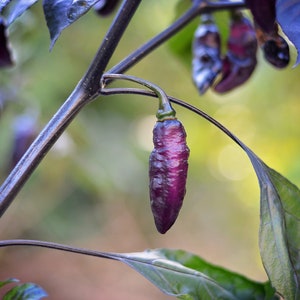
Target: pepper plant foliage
{"type": "Point", "coordinates": [177, 272]}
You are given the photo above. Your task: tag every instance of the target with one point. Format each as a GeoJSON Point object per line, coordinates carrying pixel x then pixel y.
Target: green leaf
{"type": "Point", "coordinates": [240, 285]}
{"type": "Point", "coordinates": [181, 44]}
{"type": "Point", "coordinates": [7, 281]}
{"type": "Point", "coordinates": [26, 291]}
{"type": "Point", "coordinates": [187, 276]}
{"type": "Point", "coordinates": [279, 222]}
{"type": "Point", "coordinates": [279, 228]}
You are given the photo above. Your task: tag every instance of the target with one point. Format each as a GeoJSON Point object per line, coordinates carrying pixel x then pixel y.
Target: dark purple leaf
{"type": "Point", "coordinates": [5, 56]}
{"type": "Point", "coordinates": [288, 16]}
{"type": "Point", "coordinates": [3, 3]}
{"type": "Point", "coordinates": [168, 172]}
{"type": "Point", "coordinates": [16, 8]}
{"type": "Point", "coordinates": [105, 7]}
{"type": "Point", "coordinates": [263, 12]}
{"type": "Point", "coordinates": [60, 14]}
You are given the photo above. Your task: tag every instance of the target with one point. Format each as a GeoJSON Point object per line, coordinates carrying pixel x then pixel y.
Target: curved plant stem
{"type": "Point", "coordinates": [114, 91]}
{"type": "Point", "coordinates": [165, 109]}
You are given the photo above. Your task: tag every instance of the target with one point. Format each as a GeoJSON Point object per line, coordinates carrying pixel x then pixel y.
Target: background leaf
{"type": "Point", "coordinates": [16, 8]}
{"type": "Point", "coordinates": [288, 13]}
{"type": "Point", "coordinates": [60, 14]}
{"type": "Point", "coordinates": [26, 291]}
{"type": "Point", "coordinates": [7, 281]}
{"type": "Point", "coordinates": [79, 8]}
{"type": "Point", "coordinates": [181, 44]}
{"type": "Point", "coordinates": [3, 4]}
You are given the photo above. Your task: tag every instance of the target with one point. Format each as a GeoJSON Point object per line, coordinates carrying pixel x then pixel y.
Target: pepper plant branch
{"type": "Point", "coordinates": [85, 91]}
{"type": "Point", "coordinates": [198, 8]}
{"type": "Point", "coordinates": [165, 108]}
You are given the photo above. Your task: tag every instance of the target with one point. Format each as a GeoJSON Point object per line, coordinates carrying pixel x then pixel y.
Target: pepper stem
{"type": "Point", "coordinates": [165, 109]}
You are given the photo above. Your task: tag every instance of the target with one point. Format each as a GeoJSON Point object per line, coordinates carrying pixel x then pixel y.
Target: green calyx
{"type": "Point", "coordinates": [165, 109]}
{"type": "Point", "coordinates": [163, 114]}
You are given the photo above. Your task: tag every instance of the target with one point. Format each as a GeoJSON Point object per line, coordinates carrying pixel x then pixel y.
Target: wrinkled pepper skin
{"type": "Point", "coordinates": [168, 172]}
{"type": "Point", "coordinates": [240, 60]}
{"type": "Point", "coordinates": [207, 62]}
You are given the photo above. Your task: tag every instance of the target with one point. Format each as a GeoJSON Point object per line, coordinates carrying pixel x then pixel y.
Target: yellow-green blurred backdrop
{"type": "Point", "coordinates": [91, 190]}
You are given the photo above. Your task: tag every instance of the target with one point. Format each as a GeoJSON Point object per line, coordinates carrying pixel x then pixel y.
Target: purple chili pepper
{"type": "Point", "coordinates": [240, 60]}
{"type": "Point", "coordinates": [168, 172]}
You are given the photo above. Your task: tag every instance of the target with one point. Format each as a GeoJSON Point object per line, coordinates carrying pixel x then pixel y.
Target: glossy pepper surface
{"type": "Point", "coordinates": [168, 172]}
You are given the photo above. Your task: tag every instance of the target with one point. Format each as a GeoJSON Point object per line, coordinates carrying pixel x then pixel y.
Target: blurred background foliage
{"type": "Point", "coordinates": [91, 190]}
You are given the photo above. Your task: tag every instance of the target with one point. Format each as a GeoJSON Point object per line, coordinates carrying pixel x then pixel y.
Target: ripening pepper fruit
{"type": "Point", "coordinates": [207, 62]}
{"type": "Point", "coordinates": [240, 60]}
{"type": "Point", "coordinates": [168, 172]}
{"type": "Point", "coordinates": [275, 48]}
{"type": "Point", "coordinates": [105, 7]}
